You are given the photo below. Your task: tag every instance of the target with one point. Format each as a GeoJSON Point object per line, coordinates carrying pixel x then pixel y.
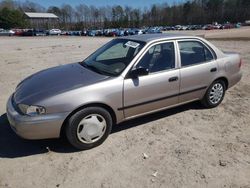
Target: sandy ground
{"type": "Point", "coordinates": [186, 146]}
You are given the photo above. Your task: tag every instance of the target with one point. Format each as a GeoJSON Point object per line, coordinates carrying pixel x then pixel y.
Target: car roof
{"type": "Point", "coordinates": [161, 36]}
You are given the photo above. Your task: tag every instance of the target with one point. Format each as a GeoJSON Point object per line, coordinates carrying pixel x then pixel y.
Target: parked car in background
{"type": "Point", "coordinates": [121, 32]}
{"type": "Point", "coordinates": [237, 25]}
{"type": "Point", "coordinates": [131, 31]}
{"type": "Point", "coordinates": [126, 32]}
{"type": "Point", "coordinates": [28, 32]}
{"type": "Point", "coordinates": [54, 32]}
{"type": "Point", "coordinates": [208, 27]}
{"type": "Point", "coordinates": [99, 32]}
{"type": "Point", "coordinates": [108, 32]}
{"type": "Point", "coordinates": [18, 32]}
{"type": "Point", "coordinates": [183, 27]}
{"type": "Point", "coordinates": [6, 32]}
{"type": "Point", "coordinates": [177, 27]}
{"type": "Point", "coordinates": [168, 28]}
{"type": "Point", "coordinates": [196, 27]}
{"type": "Point", "coordinates": [84, 32]}
{"type": "Point", "coordinates": [71, 33]}
{"type": "Point", "coordinates": [76, 33]}
{"type": "Point", "coordinates": [112, 32]}
{"type": "Point", "coordinates": [138, 31]}
{"type": "Point", "coordinates": [65, 33]}
{"type": "Point", "coordinates": [91, 33]}
{"type": "Point", "coordinates": [153, 30]}
{"type": "Point", "coordinates": [33, 32]}
{"type": "Point", "coordinates": [227, 26]}
{"type": "Point", "coordinates": [40, 32]}
{"type": "Point", "coordinates": [217, 26]}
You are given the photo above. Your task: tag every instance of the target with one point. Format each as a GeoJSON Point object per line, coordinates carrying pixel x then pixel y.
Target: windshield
{"type": "Point", "coordinates": [114, 57]}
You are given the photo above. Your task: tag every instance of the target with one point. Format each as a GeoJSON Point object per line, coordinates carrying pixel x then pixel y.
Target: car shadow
{"type": "Point", "coordinates": [12, 146]}
{"type": "Point", "coordinates": [155, 116]}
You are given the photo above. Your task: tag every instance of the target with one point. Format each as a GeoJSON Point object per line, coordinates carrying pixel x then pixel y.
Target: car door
{"type": "Point", "coordinates": [160, 88]}
{"type": "Point", "coordinates": [198, 69]}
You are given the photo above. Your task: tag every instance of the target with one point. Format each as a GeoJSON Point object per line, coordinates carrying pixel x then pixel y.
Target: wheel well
{"type": "Point", "coordinates": [106, 107]}
{"type": "Point", "coordinates": [224, 80]}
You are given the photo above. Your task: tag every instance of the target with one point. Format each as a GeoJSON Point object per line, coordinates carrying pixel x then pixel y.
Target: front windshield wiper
{"type": "Point", "coordinates": [91, 67]}
{"type": "Point", "coordinates": [95, 69]}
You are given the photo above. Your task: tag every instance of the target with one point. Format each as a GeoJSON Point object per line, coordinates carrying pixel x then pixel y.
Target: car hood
{"type": "Point", "coordinates": [53, 81]}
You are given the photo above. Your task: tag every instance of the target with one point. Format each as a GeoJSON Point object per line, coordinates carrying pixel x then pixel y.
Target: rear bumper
{"type": "Point", "coordinates": [36, 127]}
{"type": "Point", "coordinates": [234, 79]}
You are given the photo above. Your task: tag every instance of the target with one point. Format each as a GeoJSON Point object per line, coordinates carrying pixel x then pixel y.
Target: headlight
{"type": "Point", "coordinates": [31, 110]}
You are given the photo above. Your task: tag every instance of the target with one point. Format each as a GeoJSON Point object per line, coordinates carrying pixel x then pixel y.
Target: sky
{"type": "Point", "coordinates": [132, 3]}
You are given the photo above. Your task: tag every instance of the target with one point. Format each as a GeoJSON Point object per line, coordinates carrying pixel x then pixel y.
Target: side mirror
{"type": "Point", "coordinates": [140, 71]}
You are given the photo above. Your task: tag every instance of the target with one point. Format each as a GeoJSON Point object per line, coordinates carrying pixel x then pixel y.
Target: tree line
{"type": "Point", "coordinates": [84, 16]}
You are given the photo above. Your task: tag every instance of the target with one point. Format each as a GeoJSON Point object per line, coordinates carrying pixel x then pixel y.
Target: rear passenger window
{"type": "Point", "coordinates": [194, 52]}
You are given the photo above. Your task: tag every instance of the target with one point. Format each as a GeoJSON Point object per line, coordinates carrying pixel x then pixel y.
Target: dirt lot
{"type": "Point", "coordinates": [187, 146]}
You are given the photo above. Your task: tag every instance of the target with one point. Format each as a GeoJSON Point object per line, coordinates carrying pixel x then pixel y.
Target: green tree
{"type": "Point", "coordinates": [11, 18]}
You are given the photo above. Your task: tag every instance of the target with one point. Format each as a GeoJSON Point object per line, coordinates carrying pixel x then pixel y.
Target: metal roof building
{"type": "Point", "coordinates": [40, 15]}
{"type": "Point", "coordinates": [41, 20]}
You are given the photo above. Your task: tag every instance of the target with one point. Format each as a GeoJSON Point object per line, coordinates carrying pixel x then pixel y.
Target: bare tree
{"type": "Point", "coordinates": [68, 15]}
{"type": "Point", "coordinates": [29, 6]}
{"type": "Point", "coordinates": [187, 12]}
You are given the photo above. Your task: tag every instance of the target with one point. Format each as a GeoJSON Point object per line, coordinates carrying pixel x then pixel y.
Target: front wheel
{"type": "Point", "coordinates": [214, 94]}
{"type": "Point", "coordinates": [89, 127]}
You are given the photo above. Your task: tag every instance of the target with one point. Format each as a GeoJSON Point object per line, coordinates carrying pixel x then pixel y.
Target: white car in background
{"type": "Point", "coordinates": [55, 32]}
{"type": "Point", "coordinates": [139, 32]}
{"type": "Point", "coordinates": [6, 32]}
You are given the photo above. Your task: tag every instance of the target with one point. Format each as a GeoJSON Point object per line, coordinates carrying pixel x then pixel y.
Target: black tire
{"type": "Point", "coordinates": [72, 126]}
{"type": "Point", "coordinates": [206, 102]}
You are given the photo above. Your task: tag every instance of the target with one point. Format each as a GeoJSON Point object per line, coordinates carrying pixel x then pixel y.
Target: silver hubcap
{"type": "Point", "coordinates": [91, 128]}
{"type": "Point", "coordinates": [216, 93]}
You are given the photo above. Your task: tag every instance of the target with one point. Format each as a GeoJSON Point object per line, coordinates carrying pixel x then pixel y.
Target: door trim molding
{"type": "Point", "coordinates": [162, 98]}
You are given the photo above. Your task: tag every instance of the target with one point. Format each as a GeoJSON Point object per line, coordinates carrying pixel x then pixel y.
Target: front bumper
{"type": "Point", "coordinates": [35, 127]}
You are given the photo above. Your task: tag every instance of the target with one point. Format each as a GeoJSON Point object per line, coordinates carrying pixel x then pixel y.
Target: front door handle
{"type": "Point", "coordinates": [172, 79]}
{"type": "Point", "coordinates": [213, 69]}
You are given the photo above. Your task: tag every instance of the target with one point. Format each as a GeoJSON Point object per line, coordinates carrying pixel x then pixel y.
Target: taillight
{"type": "Point", "coordinates": [240, 64]}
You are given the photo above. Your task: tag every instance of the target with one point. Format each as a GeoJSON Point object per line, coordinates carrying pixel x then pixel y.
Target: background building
{"type": "Point", "coordinates": [42, 20]}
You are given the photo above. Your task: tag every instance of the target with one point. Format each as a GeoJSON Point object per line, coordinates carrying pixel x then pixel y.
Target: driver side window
{"type": "Point", "coordinates": [158, 58]}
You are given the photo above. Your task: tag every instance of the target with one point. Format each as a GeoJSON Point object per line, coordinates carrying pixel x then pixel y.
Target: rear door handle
{"type": "Point", "coordinates": [213, 69]}
{"type": "Point", "coordinates": [172, 79]}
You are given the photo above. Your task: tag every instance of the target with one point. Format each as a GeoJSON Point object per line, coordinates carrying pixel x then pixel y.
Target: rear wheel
{"type": "Point", "coordinates": [88, 127]}
{"type": "Point", "coordinates": [214, 94]}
